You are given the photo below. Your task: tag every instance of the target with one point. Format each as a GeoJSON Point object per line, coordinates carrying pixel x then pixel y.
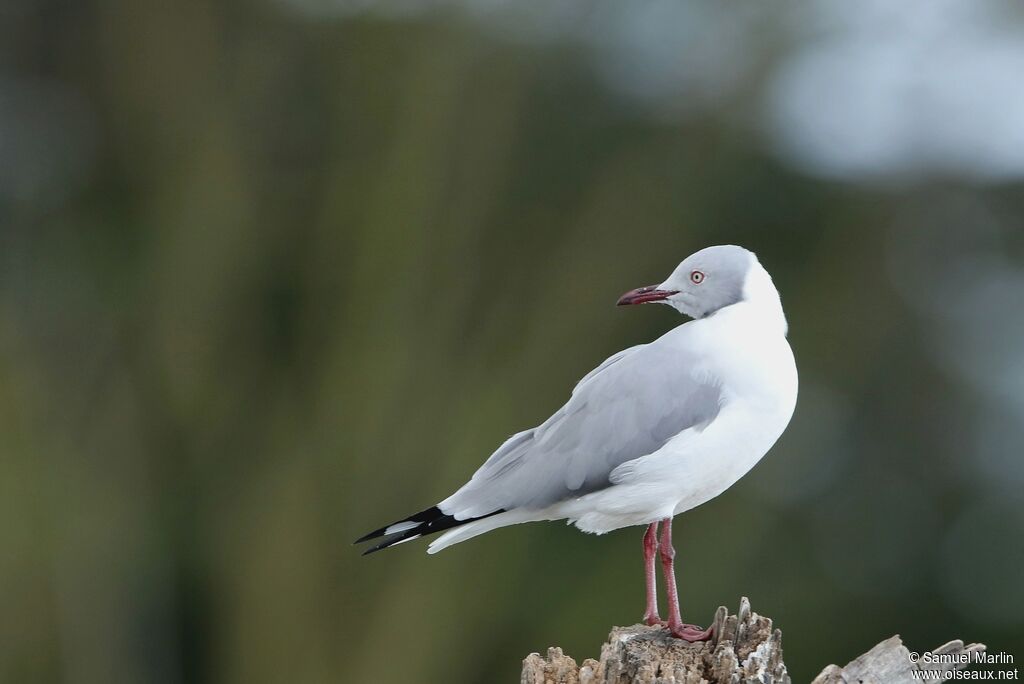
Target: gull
{"type": "Point", "coordinates": [655, 430]}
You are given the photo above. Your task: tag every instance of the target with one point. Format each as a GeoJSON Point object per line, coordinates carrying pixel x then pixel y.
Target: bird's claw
{"type": "Point", "coordinates": [654, 621]}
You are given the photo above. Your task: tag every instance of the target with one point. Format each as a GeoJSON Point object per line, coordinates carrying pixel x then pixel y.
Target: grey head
{"type": "Point", "coordinates": [708, 280]}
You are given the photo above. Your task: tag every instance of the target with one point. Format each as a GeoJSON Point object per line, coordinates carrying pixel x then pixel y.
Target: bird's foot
{"type": "Point", "coordinates": [654, 621]}
{"type": "Point", "coordinates": [690, 633]}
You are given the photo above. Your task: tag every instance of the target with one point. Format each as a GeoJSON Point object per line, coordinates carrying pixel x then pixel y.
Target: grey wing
{"type": "Point", "coordinates": [628, 407]}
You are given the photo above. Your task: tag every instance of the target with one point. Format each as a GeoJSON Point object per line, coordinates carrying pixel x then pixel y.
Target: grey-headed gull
{"type": "Point", "coordinates": [655, 430]}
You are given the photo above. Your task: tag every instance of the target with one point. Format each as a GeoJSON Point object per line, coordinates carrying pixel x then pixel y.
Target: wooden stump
{"type": "Point", "coordinates": [745, 648]}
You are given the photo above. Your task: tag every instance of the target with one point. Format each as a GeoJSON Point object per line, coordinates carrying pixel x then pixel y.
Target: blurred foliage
{"type": "Point", "coordinates": [270, 281]}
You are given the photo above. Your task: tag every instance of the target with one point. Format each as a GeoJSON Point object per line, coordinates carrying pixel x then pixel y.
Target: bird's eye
{"type": "Point", "coordinates": [697, 277]}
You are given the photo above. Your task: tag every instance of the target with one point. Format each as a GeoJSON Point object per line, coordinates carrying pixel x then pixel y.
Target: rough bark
{"type": "Point", "coordinates": [745, 648]}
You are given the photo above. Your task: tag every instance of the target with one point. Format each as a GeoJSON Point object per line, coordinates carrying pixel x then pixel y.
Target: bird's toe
{"type": "Point", "coordinates": [692, 633]}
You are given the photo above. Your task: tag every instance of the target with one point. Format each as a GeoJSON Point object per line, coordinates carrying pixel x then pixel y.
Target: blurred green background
{"type": "Point", "coordinates": [276, 272]}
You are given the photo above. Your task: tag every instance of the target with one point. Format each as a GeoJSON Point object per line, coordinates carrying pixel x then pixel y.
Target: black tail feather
{"type": "Point", "coordinates": [427, 521]}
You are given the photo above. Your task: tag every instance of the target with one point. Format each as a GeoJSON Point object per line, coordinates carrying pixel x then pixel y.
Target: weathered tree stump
{"type": "Point", "coordinates": [745, 648]}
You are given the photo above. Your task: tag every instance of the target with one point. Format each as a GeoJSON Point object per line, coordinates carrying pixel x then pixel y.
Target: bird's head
{"type": "Point", "coordinates": [708, 280]}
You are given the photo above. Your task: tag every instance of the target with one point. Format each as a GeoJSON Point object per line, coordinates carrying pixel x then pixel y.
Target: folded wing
{"type": "Point", "coordinates": [628, 407]}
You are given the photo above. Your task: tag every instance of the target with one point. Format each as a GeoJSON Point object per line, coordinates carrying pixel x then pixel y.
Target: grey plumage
{"type": "Point", "coordinates": [727, 267]}
{"type": "Point", "coordinates": [628, 407]}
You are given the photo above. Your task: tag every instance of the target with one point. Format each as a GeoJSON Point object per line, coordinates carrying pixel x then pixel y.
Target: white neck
{"type": "Point", "coordinates": [759, 291]}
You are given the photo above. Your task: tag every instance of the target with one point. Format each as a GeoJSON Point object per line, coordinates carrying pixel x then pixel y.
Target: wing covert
{"type": "Point", "coordinates": [628, 407]}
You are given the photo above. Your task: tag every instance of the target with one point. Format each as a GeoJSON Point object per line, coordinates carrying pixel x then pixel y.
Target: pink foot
{"type": "Point", "coordinates": [691, 633]}
{"type": "Point", "coordinates": [654, 620]}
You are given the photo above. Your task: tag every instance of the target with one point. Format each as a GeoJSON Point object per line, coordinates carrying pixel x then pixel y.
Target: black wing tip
{"type": "Point", "coordinates": [371, 535]}
{"type": "Point", "coordinates": [429, 521]}
{"type": "Point", "coordinates": [425, 516]}
{"type": "Point", "coordinates": [392, 541]}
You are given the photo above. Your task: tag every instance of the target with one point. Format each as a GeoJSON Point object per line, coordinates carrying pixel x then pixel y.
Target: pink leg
{"type": "Point", "coordinates": [676, 626]}
{"type": "Point", "coordinates": [651, 616]}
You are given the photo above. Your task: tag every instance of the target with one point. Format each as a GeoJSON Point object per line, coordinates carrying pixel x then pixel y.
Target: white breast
{"type": "Point", "coordinates": [759, 381]}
